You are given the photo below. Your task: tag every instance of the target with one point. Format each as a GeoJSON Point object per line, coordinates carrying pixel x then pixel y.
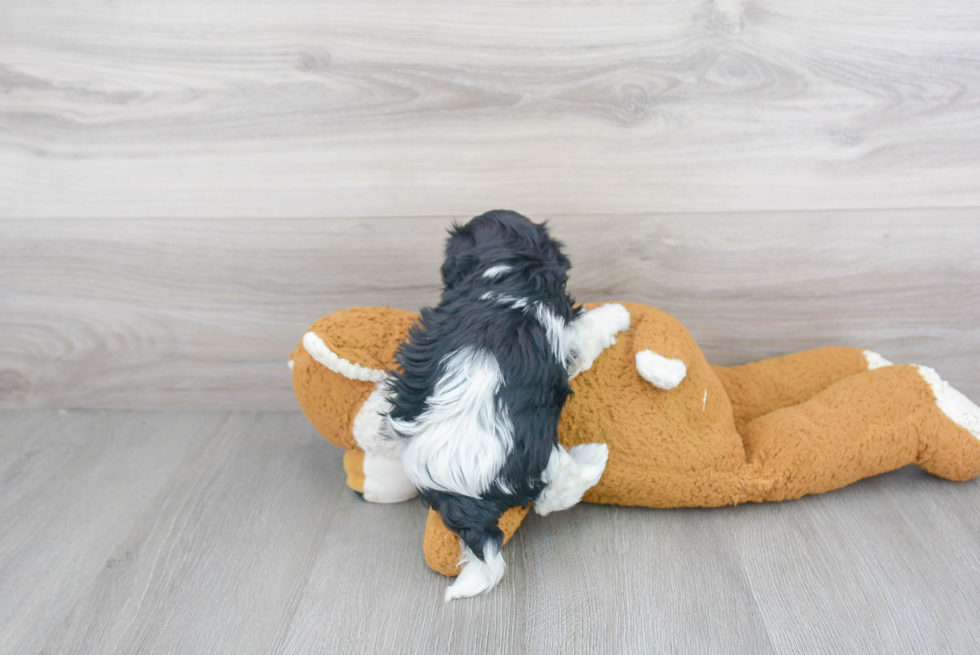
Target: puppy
{"type": "Point", "coordinates": [483, 382]}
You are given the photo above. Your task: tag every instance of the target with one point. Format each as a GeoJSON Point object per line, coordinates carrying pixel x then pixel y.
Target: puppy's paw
{"type": "Point", "coordinates": [592, 458]}
{"type": "Point", "coordinates": [570, 474]}
{"type": "Point", "coordinates": [618, 316]}
{"type": "Point", "coordinates": [610, 320]}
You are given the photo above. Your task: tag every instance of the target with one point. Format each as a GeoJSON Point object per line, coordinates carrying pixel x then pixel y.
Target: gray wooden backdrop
{"type": "Point", "coordinates": [185, 186]}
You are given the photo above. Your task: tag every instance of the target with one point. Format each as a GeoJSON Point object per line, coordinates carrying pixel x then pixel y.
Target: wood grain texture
{"type": "Point", "coordinates": [153, 313]}
{"type": "Point", "coordinates": [897, 570]}
{"type": "Point", "coordinates": [350, 109]}
{"type": "Point", "coordinates": [218, 532]}
{"type": "Point", "coordinates": [71, 487]}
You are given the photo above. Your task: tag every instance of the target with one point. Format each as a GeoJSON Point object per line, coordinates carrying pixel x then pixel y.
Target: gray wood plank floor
{"type": "Point", "coordinates": [233, 532]}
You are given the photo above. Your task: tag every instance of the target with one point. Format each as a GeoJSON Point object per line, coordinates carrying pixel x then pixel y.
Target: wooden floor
{"type": "Point", "coordinates": [233, 532]}
{"type": "Point", "coordinates": [186, 186]}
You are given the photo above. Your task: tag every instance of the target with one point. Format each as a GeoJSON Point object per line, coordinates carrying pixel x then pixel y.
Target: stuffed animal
{"type": "Point", "coordinates": [680, 432]}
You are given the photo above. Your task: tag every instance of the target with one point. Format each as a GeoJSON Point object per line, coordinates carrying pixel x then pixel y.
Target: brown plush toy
{"type": "Point", "coordinates": [680, 432]}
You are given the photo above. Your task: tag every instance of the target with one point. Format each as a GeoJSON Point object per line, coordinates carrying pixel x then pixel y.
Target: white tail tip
{"type": "Point", "coordinates": [477, 576]}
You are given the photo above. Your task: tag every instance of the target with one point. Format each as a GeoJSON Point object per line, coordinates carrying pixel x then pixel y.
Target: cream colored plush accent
{"type": "Point", "coordinates": [954, 404]}
{"type": "Point", "coordinates": [660, 371]}
{"type": "Point", "coordinates": [322, 354]}
{"type": "Point", "coordinates": [876, 361]}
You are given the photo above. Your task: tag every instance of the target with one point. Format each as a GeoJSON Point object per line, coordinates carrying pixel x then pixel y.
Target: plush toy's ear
{"type": "Point", "coordinates": [359, 343]}
{"type": "Point", "coordinates": [662, 346]}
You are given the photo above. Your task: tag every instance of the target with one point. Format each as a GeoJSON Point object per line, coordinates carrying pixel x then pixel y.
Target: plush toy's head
{"type": "Point", "coordinates": [340, 367]}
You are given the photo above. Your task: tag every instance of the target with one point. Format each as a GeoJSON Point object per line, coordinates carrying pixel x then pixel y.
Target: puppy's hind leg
{"type": "Point", "coordinates": [570, 474]}
{"type": "Point", "coordinates": [475, 521]}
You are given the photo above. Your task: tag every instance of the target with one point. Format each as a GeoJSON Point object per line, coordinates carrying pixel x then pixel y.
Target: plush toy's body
{"type": "Point", "coordinates": [680, 432]}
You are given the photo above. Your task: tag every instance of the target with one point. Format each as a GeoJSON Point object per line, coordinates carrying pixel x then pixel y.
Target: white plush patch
{"type": "Point", "coordinates": [592, 332]}
{"type": "Point", "coordinates": [569, 474]}
{"type": "Point", "coordinates": [290, 364]}
{"type": "Point", "coordinates": [477, 576]}
{"type": "Point", "coordinates": [462, 439]}
{"type": "Point", "coordinates": [876, 361]}
{"type": "Point", "coordinates": [385, 480]}
{"type": "Point", "coordinates": [321, 353]}
{"type": "Point", "coordinates": [954, 404]}
{"type": "Point", "coordinates": [494, 271]}
{"type": "Point", "coordinates": [660, 371]}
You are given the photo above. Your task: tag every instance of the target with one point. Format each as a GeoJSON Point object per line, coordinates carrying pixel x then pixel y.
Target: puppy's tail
{"type": "Point", "coordinates": [475, 521]}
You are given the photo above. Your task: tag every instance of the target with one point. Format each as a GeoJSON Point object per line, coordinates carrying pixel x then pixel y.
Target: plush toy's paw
{"type": "Point", "coordinates": [570, 474]}
{"type": "Point", "coordinates": [876, 361]}
{"type": "Point", "coordinates": [953, 404]}
{"type": "Point", "coordinates": [660, 371]}
{"type": "Point", "coordinates": [478, 576]}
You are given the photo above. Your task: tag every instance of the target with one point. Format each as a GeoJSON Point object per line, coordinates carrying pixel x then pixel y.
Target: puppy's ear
{"type": "Point", "coordinates": [461, 255]}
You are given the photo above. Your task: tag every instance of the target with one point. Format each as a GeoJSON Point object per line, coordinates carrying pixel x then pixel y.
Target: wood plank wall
{"type": "Point", "coordinates": [184, 187]}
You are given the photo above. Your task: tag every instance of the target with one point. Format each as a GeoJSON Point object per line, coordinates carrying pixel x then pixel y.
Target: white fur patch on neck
{"type": "Point", "coordinates": [495, 271]}
{"type": "Point", "coordinates": [554, 329]}
{"type": "Point", "coordinates": [554, 326]}
{"type": "Point", "coordinates": [660, 371]}
{"type": "Point", "coordinates": [954, 404]}
{"type": "Point", "coordinates": [321, 353]}
{"type": "Point", "coordinates": [460, 442]}
{"type": "Point", "coordinates": [876, 361]}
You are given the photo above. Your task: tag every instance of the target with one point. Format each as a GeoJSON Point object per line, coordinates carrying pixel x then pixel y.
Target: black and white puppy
{"type": "Point", "coordinates": [483, 382]}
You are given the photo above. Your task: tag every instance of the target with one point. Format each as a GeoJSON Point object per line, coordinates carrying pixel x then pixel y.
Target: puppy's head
{"type": "Point", "coordinates": [502, 243]}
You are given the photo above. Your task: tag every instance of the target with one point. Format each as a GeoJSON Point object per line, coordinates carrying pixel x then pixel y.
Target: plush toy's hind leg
{"type": "Point", "coordinates": [762, 387]}
{"type": "Point", "coordinates": [863, 425]}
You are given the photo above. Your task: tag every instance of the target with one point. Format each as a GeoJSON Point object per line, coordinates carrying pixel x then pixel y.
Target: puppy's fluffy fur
{"type": "Point", "coordinates": [484, 379]}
